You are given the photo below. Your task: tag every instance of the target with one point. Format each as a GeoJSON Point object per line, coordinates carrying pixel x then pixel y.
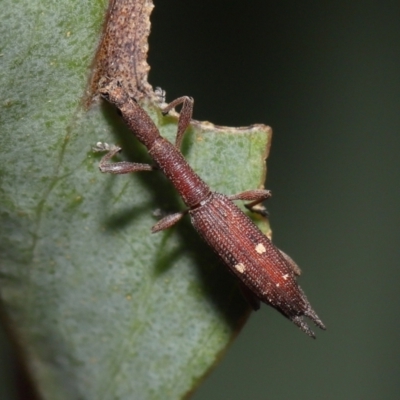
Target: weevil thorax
{"type": "Point", "coordinates": [190, 186]}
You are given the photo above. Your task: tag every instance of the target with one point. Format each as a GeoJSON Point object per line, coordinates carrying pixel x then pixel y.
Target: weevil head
{"type": "Point", "coordinates": [113, 91]}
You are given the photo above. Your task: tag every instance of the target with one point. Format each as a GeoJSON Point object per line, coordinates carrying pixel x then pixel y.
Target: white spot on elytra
{"type": "Point", "coordinates": [260, 248]}
{"type": "Point", "coordinates": [285, 276]}
{"type": "Point", "coordinates": [240, 267]}
{"type": "Point", "coordinates": [277, 285]}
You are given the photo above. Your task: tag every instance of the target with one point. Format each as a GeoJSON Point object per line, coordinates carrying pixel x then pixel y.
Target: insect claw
{"type": "Point", "coordinates": [160, 94]}
{"type": "Point", "coordinates": [103, 146]}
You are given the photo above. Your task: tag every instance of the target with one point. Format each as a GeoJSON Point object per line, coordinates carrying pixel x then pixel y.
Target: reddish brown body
{"type": "Point", "coordinates": [252, 257]}
{"type": "Point", "coordinates": [265, 273]}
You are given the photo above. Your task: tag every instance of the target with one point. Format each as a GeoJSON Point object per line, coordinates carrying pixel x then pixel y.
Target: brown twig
{"type": "Point", "coordinates": [122, 52]}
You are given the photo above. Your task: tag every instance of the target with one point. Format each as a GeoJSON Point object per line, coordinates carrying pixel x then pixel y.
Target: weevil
{"type": "Point", "coordinates": [265, 273]}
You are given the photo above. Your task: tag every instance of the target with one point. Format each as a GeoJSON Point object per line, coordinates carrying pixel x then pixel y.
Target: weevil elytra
{"type": "Point", "coordinates": [266, 274]}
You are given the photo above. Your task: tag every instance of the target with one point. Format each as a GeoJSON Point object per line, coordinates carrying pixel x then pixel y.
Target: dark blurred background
{"type": "Point", "coordinates": [326, 77]}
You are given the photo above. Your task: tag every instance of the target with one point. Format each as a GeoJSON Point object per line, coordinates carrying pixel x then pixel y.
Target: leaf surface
{"type": "Point", "coordinates": [101, 307]}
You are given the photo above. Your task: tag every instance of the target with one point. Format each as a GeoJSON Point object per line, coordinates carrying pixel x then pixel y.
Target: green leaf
{"type": "Point", "coordinates": [101, 307]}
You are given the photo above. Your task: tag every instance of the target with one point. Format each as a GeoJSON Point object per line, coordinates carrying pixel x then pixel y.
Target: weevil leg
{"type": "Point", "coordinates": [122, 167]}
{"type": "Point", "coordinates": [167, 221]}
{"type": "Point", "coordinates": [251, 298]}
{"type": "Point", "coordinates": [294, 267]}
{"type": "Point", "coordinates": [185, 116]}
{"type": "Point", "coordinates": [258, 196]}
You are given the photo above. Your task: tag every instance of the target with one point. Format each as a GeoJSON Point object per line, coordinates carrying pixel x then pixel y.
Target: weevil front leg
{"type": "Point", "coordinates": [256, 196]}
{"type": "Point", "coordinates": [122, 167]}
{"type": "Point", "coordinates": [185, 116]}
